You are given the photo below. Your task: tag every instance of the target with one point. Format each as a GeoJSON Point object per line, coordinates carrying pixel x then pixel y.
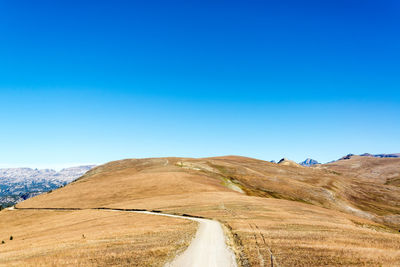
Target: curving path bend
{"type": "Point", "coordinates": [207, 249]}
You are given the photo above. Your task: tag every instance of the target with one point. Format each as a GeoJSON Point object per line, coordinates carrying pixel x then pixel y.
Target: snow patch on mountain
{"type": "Point", "coordinates": [17, 184]}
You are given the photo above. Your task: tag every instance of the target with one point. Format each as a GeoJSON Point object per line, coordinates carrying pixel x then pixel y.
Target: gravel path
{"type": "Point", "coordinates": [207, 249]}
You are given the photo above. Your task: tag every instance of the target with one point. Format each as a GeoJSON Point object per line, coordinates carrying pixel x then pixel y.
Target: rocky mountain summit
{"type": "Point", "coordinates": [17, 184]}
{"type": "Point", "coordinates": [309, 162]}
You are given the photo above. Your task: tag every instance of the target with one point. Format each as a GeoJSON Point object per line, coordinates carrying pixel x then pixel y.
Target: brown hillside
{"type": "Point", "coordinates": [377, 170]}
{"type": "Point", "coordinates": [374, 185]}
{"type": "Point", "coordinates": [290, 209]}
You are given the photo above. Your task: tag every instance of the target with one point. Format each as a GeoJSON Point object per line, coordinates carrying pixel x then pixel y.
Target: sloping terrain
{"type": "Point", "coordinates": [302, 216]}
{"type": "Point", "coordinates": [90, 238]}
{"type": "Point", "coordinates": [374, 185]}
{"type": "Point", "coordinates": [369, 168]}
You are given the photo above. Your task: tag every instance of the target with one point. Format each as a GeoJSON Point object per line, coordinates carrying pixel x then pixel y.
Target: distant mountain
{"type": "Point", "coordinates": [309, 162]}
{"type": "Point", "coordinates": [397, 155]}
{"type": "Point", "coordinates": [17, 184]}
{"type": "Point", "coordinates": [394, 155]}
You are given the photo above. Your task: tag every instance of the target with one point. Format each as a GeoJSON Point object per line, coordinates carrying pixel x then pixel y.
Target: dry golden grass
{"type": "Point", "coordinates": [373, 186]}
{"type": "Point", "coordinates": [298, 234]}
{"type": "Point", "coordinates": [90, 238]}
{"type": "Point", "coordinates": [377, 170]}
{"type": "Point", "coordinates": [297, 212]}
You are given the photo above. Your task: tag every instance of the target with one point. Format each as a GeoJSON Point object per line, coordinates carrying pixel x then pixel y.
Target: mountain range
{"type": "Point", "coordinates": [17, 184]}
{"type": "Point", "coordinates": [310, 162]}
{"type": "Point", "coordinates": [393, 155]}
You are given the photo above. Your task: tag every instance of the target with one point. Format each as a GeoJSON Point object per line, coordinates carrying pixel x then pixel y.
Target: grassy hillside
{"type": "Point", "coordinates": [304, 216]}
{"type": "Point", "coordinates": [90, 238]}
{"type": "Point", "coordinates": [375, 170]}
{"type": "Point", "coordinates": [374, 186]}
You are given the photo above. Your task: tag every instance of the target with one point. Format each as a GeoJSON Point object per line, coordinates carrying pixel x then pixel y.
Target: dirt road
{"type": "Point", "coordinates": [208, 248]}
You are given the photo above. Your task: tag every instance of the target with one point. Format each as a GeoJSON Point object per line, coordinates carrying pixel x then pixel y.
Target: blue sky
{"type": "Point", "coordinates": [94, 81]}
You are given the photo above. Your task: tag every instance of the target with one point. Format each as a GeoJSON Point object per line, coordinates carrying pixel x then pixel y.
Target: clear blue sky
{"type": "Point", "coordinates": [93, 81]}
